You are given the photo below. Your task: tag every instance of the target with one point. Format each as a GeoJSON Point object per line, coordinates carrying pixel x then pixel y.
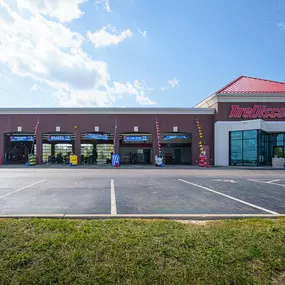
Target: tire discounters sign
{"type": "Point", "coordinates": [257, 112]}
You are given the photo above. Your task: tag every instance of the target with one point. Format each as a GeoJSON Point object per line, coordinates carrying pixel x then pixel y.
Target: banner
{"type": "Point", "coordinates": [59, 138]}
{"type": "Point", "coordinates": [135, 138]}
{"type": "Point", "coordinates": [96, 137]}
{"type": "Point", "coordinates": [21, 138]}
{"type": "Point", "coordinates": [167, 138]}
{"type": "Point", "coordinates": [115, 159]}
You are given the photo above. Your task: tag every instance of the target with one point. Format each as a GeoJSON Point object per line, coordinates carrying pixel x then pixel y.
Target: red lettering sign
{"type": "Point", "coordinates": [258, 111]}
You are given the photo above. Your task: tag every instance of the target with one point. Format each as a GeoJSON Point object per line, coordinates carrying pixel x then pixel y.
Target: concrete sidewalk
{"type": "Point", "coordinates": [139, 166]}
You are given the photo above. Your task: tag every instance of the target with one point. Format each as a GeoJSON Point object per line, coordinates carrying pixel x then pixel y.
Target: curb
{"type": "Point", "coordinates": [143, 216]}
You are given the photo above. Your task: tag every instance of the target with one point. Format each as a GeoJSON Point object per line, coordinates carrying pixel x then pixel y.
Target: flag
{"type": "Point", "coordinates": [158, 136]}
{"type": "Point", "coordinates": [115, 133]}
{"type": "Point", "coordinates": [35, 133]}
{"type": "Point", "coordinates": [75, 127]}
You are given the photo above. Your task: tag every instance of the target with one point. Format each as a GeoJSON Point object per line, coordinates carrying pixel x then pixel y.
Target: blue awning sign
{"type": "Point", "coordinates": [135, 138]}
{"type": "Point", "coordinates": [168, 138]}
{"type": "Point", "coordinates": [21, 138]}
{"type": "Point", "coordinates": [59, 138]}
{"type": "Point", "coordinates": [97, 137]}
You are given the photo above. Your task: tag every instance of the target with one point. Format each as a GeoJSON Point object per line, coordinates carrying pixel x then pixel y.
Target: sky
{"type": "Point", "coordinates": [134, 53]}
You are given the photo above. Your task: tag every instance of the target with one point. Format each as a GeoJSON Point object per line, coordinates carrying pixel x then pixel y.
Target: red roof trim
{"type": "Point", "coordinates": [240, 90]}
{"type": "Point", "coordinates": [229, 84]}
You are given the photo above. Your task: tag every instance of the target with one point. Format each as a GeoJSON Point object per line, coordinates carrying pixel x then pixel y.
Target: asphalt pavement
{"type": "Point", "coordinates": [141, 192]}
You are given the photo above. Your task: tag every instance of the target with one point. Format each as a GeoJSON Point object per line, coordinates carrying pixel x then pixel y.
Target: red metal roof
{"type": "Point", "coordinates": [245, 84]}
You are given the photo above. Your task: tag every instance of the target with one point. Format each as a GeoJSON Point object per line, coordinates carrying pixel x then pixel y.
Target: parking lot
{"type": "Point", "coordinates": [75, 192]}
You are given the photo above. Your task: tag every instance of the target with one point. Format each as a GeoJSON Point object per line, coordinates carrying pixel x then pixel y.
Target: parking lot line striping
{"type": "Point", "coordinates": [230, 197]}
{"type": "Point", "coordinates": [22, 188]}
{"type": "Point", "coordinates": [113, 198]}
{"type": "Point", "coordinates": [265, 182]}
{"type": "Point", "coordinates": [275, 180]}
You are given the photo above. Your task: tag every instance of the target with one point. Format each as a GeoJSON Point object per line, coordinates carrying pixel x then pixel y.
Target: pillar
{"type": "Point", "coordinates": [117, 142]}
{"type": "Point", "coordinates": [155, 150]}
{"type": "Point", "coordinates": [77, 144]}
{"type": "Point", "coordinates": [52, 151]}
{"type": "Point", "coordinates": [2, 148]}
{"type": "Point", "coordinates": [195, 147]}
{"type": "Point", "coordinates": [39, 148]}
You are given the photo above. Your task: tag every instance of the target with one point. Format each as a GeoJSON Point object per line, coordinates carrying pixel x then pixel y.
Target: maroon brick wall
{"type": "Point", "coordinates": [106, 123]}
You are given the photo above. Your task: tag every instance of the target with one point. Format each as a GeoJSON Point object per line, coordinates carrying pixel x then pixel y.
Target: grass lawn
{"type": "Point", "coordinates": [42, 251]}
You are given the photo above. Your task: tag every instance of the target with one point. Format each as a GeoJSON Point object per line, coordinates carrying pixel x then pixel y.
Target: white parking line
{"type": "Point", "coordinates": [113, 199]}
{"type": "Point", "coordinates": [22, 188]}
{"type": "Point", "coordinates": [230, 197]}
{"type": "Point", "coordinates": [275, 180]}
{"type": "Point", "coordinates": [268, 182]}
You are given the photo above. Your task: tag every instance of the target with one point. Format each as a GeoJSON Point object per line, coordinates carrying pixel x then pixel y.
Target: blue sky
{"type": "Point", "coordinates": [134, 52]}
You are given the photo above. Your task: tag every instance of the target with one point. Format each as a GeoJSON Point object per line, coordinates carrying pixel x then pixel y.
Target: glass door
{"type": "Point", "coordinates": [263, 149]}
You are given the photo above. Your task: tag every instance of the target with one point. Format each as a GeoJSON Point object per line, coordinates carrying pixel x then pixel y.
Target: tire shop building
{"type": "Point", "coordinates": [242, 123]}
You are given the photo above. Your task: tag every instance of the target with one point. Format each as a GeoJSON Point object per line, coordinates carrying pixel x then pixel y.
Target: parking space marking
{"type": "Point", "coordinates": [230, 197]}
{"type": "Point", "coordinates": [267, 182]}
{"type": "Point", "coordinates": [275, 180]}
{"type": "Point", "coordinates": [22, 188]}
{"type": "Point", "coordinates": [113, 198]}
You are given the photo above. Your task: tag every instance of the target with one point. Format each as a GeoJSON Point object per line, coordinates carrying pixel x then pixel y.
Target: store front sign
{"type": "Point", "coordinates": [96, 137]}
{"type": "Point", "coordinates": [257, 112]}
{"type": "Point", "coordinates": [21, 138]}
{"type": "Point", "coordinates": [168, 138]}
{"type": "Point", "coordinates": [135, 138]}
{"type": "Point", "coordinates": [59, 138]}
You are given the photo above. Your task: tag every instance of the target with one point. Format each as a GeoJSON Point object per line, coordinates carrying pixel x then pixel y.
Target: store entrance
{"type": "Point", "coordinates": [57, 147]}
{"type": "Point", "coordinates": [136, 148]}
{"type": "Point", "coordinates": [176, 148]}
{"type": "Point", "coordinates": [18, 146]}
{"type": "Point", "coordinates": [96, 148]}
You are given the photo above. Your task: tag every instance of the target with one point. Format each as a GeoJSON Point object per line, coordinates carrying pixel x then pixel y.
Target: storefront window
{"type": "Point", "coordinates": [250, 152]}
{"type": "Point", "coordinates": [254, 147]}
{"type": "Point", "coordinates": [236, 152]}
{"type": "Point", "coordinates": [251, 134]}
{"type": "Point", "coordinates": [236, 135]}
{"type": "Point", "coordinates": [243, 147]}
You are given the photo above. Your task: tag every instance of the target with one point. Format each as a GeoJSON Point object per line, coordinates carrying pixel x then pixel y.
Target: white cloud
{"type": "Point", "coordinates": [103, 38]}
{"type": "Point", "coordinates": [171, 84]}
{"type": "Point", "coordinates": [105, 4]}
{"type": "Point", "coordinates": [127, 88]}
{"type": "Point", "coordinates": [281, 25]}
{"type": "Point", "coordinates": [143, 33]}
{"type": "Point", "coordinates": [143, 100]}
{"type": "Point", "coordinates": [50, 53]}
{"type": "Point", "coordinates": [64, 10]}
{"type": "Point", "coordinates": [84, 98]}
{"type": "Point", "coordinates": [35, 87]}
{"type": "Point", "coordinates": [138, 88]}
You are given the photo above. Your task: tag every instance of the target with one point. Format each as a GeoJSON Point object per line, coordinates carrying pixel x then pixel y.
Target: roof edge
{"type": "Point", "coordinates": [229, 84]}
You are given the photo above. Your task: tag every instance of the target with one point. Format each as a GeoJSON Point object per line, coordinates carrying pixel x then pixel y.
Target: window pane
{"type": "Point", "coordinates": [280, 139]}
{"type": "Point", "coordinates": [252, 134]}
{"type": "Point", "coordinates": [236, 152]}
{"type": "Point", "coordinates": [236, 135]}
{"type": "Point", "coordinates": [250, 151]}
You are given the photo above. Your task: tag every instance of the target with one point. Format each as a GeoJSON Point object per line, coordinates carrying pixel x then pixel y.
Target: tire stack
{"type": "Point", "coordinates": [31, 160]}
